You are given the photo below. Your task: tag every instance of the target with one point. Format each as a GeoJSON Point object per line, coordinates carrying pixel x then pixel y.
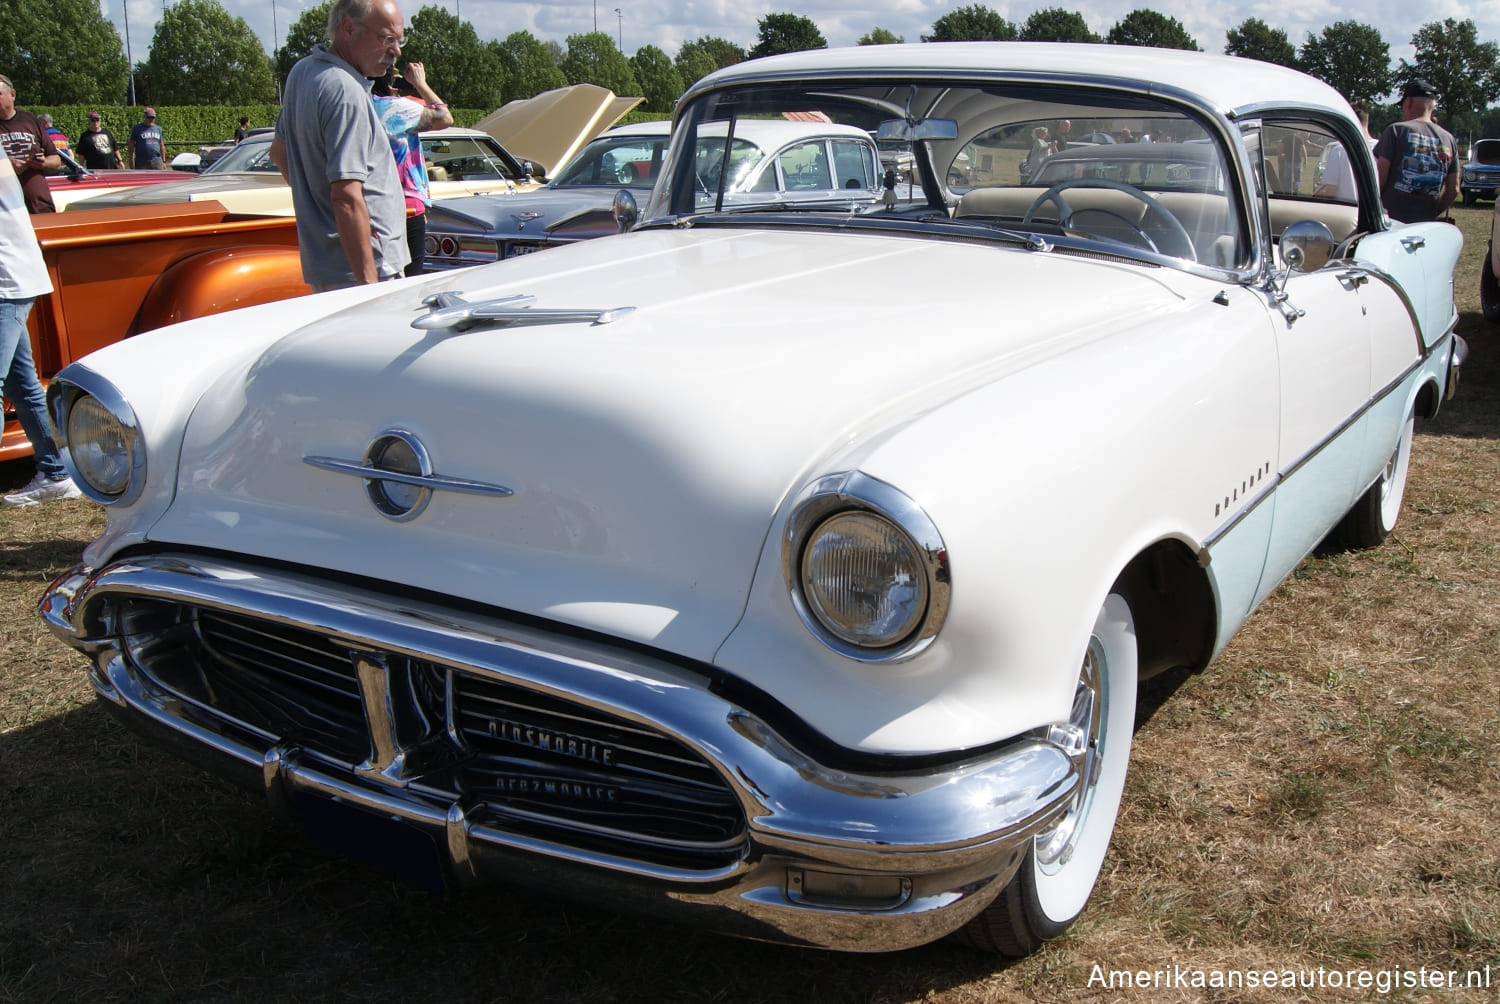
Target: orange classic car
{"type": "Point", "coordinates": [117, 272]}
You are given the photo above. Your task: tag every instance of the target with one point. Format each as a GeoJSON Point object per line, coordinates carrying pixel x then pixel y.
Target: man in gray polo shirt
{"type": "Point", "coordinates": [333, 151]}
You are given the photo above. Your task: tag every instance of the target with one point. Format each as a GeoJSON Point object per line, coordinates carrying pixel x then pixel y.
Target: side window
{"type": "Point", "coordinates": [1311, 174]}
{"type": "Point", "coordinates": [805, 167]}
{"type": "Point", "coordinates": [853, 165]}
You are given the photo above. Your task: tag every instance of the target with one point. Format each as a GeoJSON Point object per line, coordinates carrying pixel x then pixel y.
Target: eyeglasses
{"type": "Point", "coordinates": [386, 41]}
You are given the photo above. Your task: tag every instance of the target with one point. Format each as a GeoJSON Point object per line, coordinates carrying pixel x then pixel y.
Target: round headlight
{"type": "Point", "coordinates": [100, 446]}
{"type": "Point", "coordinates": [864, 579]}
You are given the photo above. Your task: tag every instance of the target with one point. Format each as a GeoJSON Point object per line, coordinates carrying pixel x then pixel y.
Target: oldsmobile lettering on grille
{"type": "Point", "coordinates": [573, 747]}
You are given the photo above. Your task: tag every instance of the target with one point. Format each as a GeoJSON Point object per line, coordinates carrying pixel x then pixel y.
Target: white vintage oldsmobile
{"type": "Point", "coordinates": [788, 568]}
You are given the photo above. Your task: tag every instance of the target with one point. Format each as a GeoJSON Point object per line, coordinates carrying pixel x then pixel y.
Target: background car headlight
{"type": "Point", "coordinates": [98, 435]}
{"type": "Point", "coordinates": [866, 568]}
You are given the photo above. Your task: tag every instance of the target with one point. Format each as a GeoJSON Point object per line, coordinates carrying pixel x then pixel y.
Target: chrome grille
{"type": "Point", "coordinates": [521, 759]}
{"type": "Point", "coordinates": [540, 757]}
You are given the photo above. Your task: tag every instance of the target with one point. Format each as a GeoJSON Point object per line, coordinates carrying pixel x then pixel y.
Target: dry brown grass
{"type": "Point", "coordinates": [1324, 796]}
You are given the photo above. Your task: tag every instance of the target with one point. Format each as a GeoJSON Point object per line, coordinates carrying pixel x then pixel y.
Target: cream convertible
{"type": "Point", "coordinates": [787, 567]}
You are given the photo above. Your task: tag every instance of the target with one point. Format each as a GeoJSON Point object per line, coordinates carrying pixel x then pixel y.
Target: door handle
{"type": "Point", "coordinates": [1413, 243]}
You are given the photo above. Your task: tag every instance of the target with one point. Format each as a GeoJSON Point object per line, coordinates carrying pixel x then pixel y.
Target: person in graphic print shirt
{"type": "Point", "coordinates": [1417, 159]}
{"type": "Point", "coordinates": [28, 148]}
{"type": "Point", "coordinates": [146, 148]}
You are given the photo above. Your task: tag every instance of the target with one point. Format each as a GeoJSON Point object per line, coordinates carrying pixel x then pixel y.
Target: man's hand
{"type": "Point", "coordinates": [352, 217]}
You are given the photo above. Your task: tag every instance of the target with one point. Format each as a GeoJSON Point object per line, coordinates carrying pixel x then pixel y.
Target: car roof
{"type": "Point", "coordinates": [1228, 84]}
{"type": "Point", "coordinates": [778, 132]}
{"type": "Point", "coordinates": [658, 127]}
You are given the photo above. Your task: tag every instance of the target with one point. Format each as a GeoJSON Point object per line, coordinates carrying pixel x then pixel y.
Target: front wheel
{"type": "Point", "coordinates": [1054, 882]}
{"type": "Point", "coordinates": [1374, 516]}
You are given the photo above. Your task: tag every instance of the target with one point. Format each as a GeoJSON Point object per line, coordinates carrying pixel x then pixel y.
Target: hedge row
{"type": "Point", "coordinates": [187, 127]}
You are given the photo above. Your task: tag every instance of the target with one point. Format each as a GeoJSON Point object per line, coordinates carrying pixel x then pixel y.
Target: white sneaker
{"type": "Point", "coordinates": [43, 489]}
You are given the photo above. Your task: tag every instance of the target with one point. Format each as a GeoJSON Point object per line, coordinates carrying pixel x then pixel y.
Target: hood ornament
{"type": "Point", "coordinates": [398, 475]}
{"type": "Point", "coordinates": [451, 310]}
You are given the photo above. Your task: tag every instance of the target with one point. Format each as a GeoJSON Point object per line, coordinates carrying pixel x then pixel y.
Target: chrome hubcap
{"type": "Point", "coordinates": [1083, 738]}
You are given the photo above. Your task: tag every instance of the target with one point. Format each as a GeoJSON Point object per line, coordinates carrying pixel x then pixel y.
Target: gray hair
{"type": "Point", "coordinates": [44, 119]}
{"type": "Point", "coordinates": [354, 10]}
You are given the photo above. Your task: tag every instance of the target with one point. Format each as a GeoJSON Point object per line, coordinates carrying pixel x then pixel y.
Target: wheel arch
{"type": "Point", "coordinates": [1173, 604]}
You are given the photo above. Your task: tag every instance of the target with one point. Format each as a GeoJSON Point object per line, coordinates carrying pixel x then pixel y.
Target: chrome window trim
{"type": "Point", "coordinates": [75, 381]}
{"type": "Point", "coordinates": [857, 491]}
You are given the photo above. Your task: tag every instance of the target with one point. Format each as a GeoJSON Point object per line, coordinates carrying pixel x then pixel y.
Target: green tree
{"type": "Point", "coordinates": [1149, 27]}
{"type": "Point", "coordinates": [696, 60]}
{"type": "Point", "coordinates": [880, 36]}
{"type": "Point", "coordinates": [974, 23]}
{"type": "Point", "coordinates": [787, 33]}
{"type": "Point", "coordinates": [1351, 58]}
{"type": "Point", "coordinates": [308, 30]}
{"type": "Point", "coordinates": [530, 66]}
{"type": "Point", "coordinates": [1465, 71]}
{"type": "Point", "coordinates": [593, 59]}
{"type": "Point", "coordinates": [1254, 39]}
{"type": "Point", "coordinates": [465, 73]}
{"type": "Point", "coordinates": [660, 82]}
{"type": "Point", "coordinates": [1053, 24]}
{"type": "Point", "coordinates": [62, 52]}
{"type": "Point", "coordinates": [200, 55]}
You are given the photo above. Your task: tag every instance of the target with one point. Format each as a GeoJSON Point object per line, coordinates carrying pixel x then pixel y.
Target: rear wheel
{"type": "Point", "coordinates": [1062, 864]}
{"type": "Point", "coordinates": [1489, 288]}
{"type": "Point", "coordinates": [1374, 516]}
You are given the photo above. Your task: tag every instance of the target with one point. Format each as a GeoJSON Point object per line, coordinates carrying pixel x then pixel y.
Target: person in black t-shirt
{"type": "Point", "coordinates": [1417, 160]}
{"type": "Point", "coordinates": [98, 148]}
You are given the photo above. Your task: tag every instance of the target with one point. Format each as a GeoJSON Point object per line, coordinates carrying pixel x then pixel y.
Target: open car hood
{"type": "Point", "coordinates": [554, 125]}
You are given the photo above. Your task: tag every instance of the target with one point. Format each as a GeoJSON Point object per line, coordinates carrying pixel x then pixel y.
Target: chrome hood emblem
{"type": "Point", "coordinates": [398, 476]}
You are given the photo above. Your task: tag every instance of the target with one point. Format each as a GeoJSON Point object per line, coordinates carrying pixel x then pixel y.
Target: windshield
{"type": "Point", "coordinates": [468, 158]}
{"type": "Point", "coordinates": [247, 155]}
{"type": "Point", "coordinates": [616, 161]}
{"type": "Point", "coordinates": [1057, 161]}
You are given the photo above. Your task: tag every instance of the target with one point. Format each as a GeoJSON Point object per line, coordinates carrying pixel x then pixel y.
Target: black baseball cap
{"type": "Point", "coordinates": [1418, 88]}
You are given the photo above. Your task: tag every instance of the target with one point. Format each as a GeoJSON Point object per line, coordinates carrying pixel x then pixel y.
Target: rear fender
{"type": "Point", "coordinates": [212, 282]}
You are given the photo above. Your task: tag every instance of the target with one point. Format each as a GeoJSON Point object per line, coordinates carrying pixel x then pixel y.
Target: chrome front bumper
{"type": "Point", "coordinates": [873, 861]}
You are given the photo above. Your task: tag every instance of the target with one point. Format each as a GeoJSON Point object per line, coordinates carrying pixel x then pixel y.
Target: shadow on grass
{"type": "Point", "coordinates": [1475, 412]}
{"type": "Point", "coordinates": [131, 875]}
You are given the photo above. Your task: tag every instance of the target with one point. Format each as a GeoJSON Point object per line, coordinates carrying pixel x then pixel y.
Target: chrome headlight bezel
{"type": "Point", "coordinates": [854, 492]}
{"type": "Point", "coordinates": [64, 392]}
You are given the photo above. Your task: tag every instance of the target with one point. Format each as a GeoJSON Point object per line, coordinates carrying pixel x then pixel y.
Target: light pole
{"type": "Point", "coordinates": [125, 7]}
{"type": "Point", "coordinates": [621, 29]}
{"type": "Point", "coordinates": [274, 33]}
{"type": "Point", "coordinates": [596, 15]}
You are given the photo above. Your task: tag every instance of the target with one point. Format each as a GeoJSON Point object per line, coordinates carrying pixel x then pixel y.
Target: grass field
{"type": "Point", "coordinates": [1325, 796]}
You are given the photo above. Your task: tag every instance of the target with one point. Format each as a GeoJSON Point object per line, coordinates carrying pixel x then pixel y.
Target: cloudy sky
{"type": "Point", "coordinates": [669, 23]}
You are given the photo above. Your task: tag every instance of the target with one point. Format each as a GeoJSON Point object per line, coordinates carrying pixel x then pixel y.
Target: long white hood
{"type": "Point", "coordinates": [647, 456]}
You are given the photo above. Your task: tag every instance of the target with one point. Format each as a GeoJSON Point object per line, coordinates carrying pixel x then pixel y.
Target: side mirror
{"type": "Point", "coordinates": [1306, 246]}
{"type": "Point", "coordinates": [624, 209]}
{"type": "Point", "coordinates": [532, 169]}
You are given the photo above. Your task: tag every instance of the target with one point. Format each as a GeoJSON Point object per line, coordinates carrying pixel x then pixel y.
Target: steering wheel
{"type": "Point", "coordinates": [1065, 212]}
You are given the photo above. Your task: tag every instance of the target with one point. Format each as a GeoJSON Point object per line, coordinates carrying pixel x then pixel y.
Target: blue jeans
{"type": "Point", "coordinates": [22, 387]}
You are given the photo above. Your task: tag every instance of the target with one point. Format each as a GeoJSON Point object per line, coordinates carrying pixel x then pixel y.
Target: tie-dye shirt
{"type": "Point", "coordinates": [400, 117]}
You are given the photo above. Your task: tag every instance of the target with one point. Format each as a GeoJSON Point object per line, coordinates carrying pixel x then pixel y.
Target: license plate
{"type": "Point", "coordinates": [383, 841]}
{"type": "Point", "coordinates": [519, 249]}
